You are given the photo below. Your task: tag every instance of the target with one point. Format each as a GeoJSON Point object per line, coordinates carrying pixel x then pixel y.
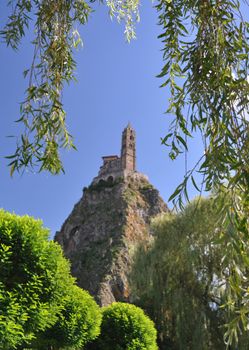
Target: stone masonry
{"type": "Point", "coordinates": [113, 166]}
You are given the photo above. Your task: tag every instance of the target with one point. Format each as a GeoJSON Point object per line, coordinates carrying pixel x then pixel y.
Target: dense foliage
{"type": "Point", "coordinates": [125, 327]}
{"type": "Point", "coordinates": [38, 297]}
{"type": "Point", "coordinates": [77, 323]}
{"type": "Point", "coordinates": [183, 280]}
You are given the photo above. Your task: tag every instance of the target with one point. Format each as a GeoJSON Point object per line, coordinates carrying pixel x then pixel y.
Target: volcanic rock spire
{"type": "Point", "coordinates": [111, 219]}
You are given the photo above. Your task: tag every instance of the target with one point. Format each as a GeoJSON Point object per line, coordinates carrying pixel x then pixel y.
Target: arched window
{"type": "Point", "coordinates": [110, 180]}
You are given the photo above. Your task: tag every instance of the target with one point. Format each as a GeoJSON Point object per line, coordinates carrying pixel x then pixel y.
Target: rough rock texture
{"type": "Point", "coordinates": [100, 235]}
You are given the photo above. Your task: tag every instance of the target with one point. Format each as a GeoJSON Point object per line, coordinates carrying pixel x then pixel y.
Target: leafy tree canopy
{"type": "Point", "coordinates": [184, 280]}
{"type": "Point", "coordinates": [125, 327]}
{"type": "Point", "coordinates": [77, 323]}
{"type": "Point", "coordinates": [37, 292]}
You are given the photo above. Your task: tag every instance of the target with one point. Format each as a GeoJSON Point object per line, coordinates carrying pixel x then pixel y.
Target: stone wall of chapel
{"type": "Point", "coordinates": [110, 167]}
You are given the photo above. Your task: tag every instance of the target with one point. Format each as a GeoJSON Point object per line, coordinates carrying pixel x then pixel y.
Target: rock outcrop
{"type": "Point", "coordinates": [102, 232]}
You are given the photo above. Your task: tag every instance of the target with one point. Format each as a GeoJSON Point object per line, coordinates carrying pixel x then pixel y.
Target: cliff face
{"type": "Point", "coordinates": [100, 235]}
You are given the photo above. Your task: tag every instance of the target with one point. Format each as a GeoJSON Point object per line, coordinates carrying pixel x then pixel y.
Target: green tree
{"type": "Point", "coordinates": [182, 279]}
{"type": "Point", "coordinates": [125, 327]}
{"type": "Point", "coordinates": [36, 289]}
{"type": "Point", "coordinates": [206, 68]}
{"type": "Point", "coordinates": [78, 323]}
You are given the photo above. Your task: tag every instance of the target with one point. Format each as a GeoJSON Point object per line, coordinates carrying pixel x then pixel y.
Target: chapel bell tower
{"type": "Point", "coordinates": [128, 149]}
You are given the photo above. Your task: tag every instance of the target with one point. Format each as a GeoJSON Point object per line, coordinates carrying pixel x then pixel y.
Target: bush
{"type": "Point", "coordinates": [77, 324]}
{"type": "Point", "coordinates": [37, 291]}
{"type": "Point", "coordinates": [125, 327]}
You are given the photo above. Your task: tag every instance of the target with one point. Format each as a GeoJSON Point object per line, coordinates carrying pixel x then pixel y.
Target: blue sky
{"type": "Point", "coordinates": [116, 84]}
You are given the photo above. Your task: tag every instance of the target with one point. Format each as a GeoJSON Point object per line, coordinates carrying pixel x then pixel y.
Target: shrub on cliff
{"type": "Point", "coordinates": [37, 292]}
{"type": "Point", "coordinates": [125, 327]}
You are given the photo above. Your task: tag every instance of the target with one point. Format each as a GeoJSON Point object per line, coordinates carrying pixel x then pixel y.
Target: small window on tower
{"type": "Point", "coordinates": [131, 145]}
{"type": "Point", "coordinates": [131, 137]}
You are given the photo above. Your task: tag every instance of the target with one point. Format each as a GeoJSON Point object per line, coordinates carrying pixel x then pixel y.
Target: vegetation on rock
{"type": "Point", "coordinates": [99, 235]}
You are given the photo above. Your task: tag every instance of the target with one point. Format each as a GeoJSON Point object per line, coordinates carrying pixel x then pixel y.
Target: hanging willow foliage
{"type": "Point", "coordinates": [206, 52]}
{"type": "Point", "coordinates": [42, 111]}
{"type": "Point", "coordinates": [182, 279]}
{"type": "Point", "coordinates": [53, 65]}
{"type": "Point", "coordinates": [206, 65]}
